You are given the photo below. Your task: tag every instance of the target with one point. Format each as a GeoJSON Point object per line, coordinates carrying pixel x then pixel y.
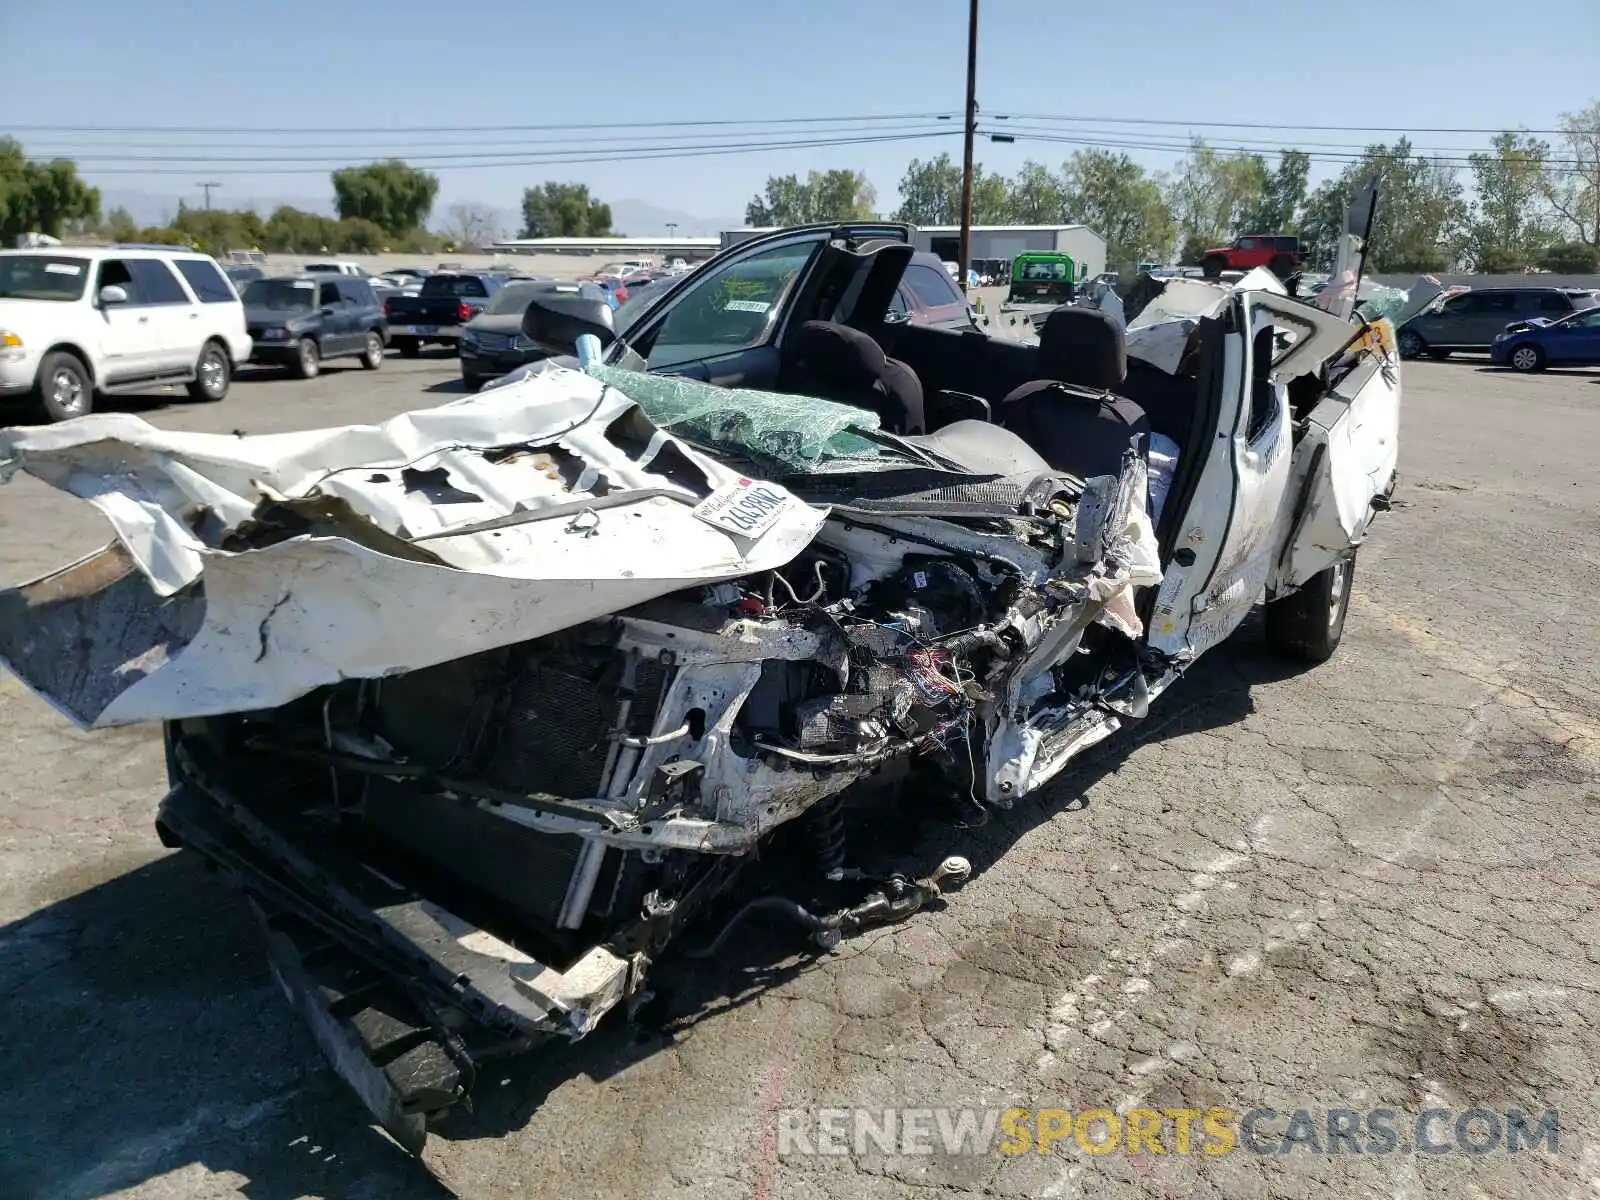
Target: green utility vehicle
{"type": "Point", "coordinates": [1039, 278]}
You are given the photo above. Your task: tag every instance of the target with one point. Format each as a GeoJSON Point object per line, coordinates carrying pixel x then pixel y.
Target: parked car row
{"type": "Point", "coordinates": [1525, 328]}
{"type": "Point", "coordinates": [77, 323]}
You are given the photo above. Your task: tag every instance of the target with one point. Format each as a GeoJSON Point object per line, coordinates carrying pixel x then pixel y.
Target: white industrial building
{"type": "Point", "coordinates": [991, 242]}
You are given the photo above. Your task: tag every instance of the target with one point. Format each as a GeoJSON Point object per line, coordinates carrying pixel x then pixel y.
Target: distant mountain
{"type": "Point", "coordinates": [152, 208]}
{"type": "Point", "coordinates": [640, 219]}
{"type": "Point", "coordinates": [633, 217]}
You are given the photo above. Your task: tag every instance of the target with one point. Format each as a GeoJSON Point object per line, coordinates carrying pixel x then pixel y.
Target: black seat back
{"type": "Point", "coordinates": [1083, 346]}
{"type": "Point", "coordinates": [838, 363]}
{"type": "Point", "coordinates": [1080, 430]}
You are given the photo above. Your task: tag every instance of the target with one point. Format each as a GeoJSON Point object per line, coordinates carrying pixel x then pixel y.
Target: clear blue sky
{"type": "Point", "coordinates": [293, 63]}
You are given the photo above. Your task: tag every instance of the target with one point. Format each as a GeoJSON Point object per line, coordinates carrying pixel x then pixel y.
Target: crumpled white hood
{"type": "Point", "coordinates": [382, 584]}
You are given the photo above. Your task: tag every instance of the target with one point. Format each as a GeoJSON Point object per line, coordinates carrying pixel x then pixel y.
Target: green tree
{"type": "Point", "coordinates": [1193, 251]}
{"type": "Point", "coordinates": [1422, 218]}
{"type": "Point", "coordinates": [991, 198]}
{"type": "Point", "coordinates": [1510, 222]}
{"type": "Point", "coordinates": [930, 192]}
{"type": "Point", "coordinates": [1111, 194]}
{"type": "Point", "coordinates": [119, 225]}
{"type": "Point", "coordinates": [1277, 210]}
{"type": "Point", "coordinates": [781, 203]}
{"type": "Point", "coordinates": [357, 235]}
{"type": "Point", "coordinates": [1573, 189]}
{"type": "Point", "coordinates": [392, 195]}
{"type": "Point", "coordinates": [840, 195]}
{"type": "Point", "coordinates": [836, 195]}
{"type": "Point", "coordinates": [1571, 258]}
{"type": "Point", "coordinates": [160, 235]}
{"type": "Point", "coordinates": [293, 231]}
{"type": "Point", "coordinates": [563, 210]}
{"type": "Point", "coordinates": [1212, 195]}
{"type": "Point", "coordinates": [40, 197]}
{"type": "Point", "coordinates": [1037, 197]}
{"type": "Point", "coordinates": [218, 230]}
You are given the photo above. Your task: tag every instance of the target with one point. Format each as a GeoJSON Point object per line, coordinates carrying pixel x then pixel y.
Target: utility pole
{"type": "Point", "coordinates": [964, 256]}
{"type": "Point", "coordinates": [672, 229]}
{"type": "Point", "coordinates": [207, 186]}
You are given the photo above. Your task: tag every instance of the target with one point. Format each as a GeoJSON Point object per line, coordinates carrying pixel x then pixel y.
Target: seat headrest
{"type": "Point", "coordinates": [832, 351]}
{"type": "Point", "coordinates": [1083, 346]}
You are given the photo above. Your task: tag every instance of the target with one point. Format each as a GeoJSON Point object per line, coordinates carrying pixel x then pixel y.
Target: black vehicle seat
{"type": "Point", "coordinates": [983, 448]}
{"type": "Point", "coordinates": [835, 362]}
{"type": "Point", "coordinates": [1083, 346]}
{"type": "Point", "coordinates": [1072, 416]}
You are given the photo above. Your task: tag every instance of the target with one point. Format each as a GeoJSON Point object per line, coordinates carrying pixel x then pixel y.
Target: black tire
{"type": "Point", "coordinates": [212, 374]}
{"type": "Point", "coordinates": [64, 388]}
{"type": "Point", "coordinates": [1212, 266]}
{"type": "Point", "coordinates": [1410, 344]}
{"type": "Point", "coordinates": [409, 347]}
{"type": "Point", "coordinates": [1526, 358]}
{"type": "Point", "coordinates": [1439, 355]}
{"type": "Point", "coordinates": [1282, 266]}
{"type": "Point", "coordinates": [372, 355]}
{"type": "Point", "coordinates": [1309, 624]}
{"type": "Point", "coordinates": [307, 359]}
{"type": "Point", "coordinates": [472, 382]}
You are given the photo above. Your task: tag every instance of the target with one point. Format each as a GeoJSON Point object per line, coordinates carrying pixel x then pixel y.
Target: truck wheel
{"type": "Point", "coordinates": [1527, 358]}
{"type": "Point", "coordinates": [1282, 266]}
{"type": "Point", "coordinates": [64, 388]}
{"type": "Point", "coordinates": [1410, 344]}
{"type": "Point", "coordinates": [308, 359]}
{"type": "Point", "coordinates": [1309, 624]}
{"type": "Point", "coordinates": [1212, 265]}
{"type": "Point", "coordinates": [409, 347]}
{"type": "Point", "coordinates": [212, 374]}
{"type": "Point", "coordinates": [372, 354]}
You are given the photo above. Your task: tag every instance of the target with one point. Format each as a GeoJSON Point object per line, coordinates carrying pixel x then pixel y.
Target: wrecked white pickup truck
{"type": "Point", "coordinates": [481, 707]}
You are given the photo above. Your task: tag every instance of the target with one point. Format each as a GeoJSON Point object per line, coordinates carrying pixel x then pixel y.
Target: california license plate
{"type": "Point", "coordinates": [747, 507]}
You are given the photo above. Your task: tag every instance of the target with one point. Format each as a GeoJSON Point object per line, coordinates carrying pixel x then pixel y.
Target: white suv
{"type": "Point", "coordinates": [76, 322]}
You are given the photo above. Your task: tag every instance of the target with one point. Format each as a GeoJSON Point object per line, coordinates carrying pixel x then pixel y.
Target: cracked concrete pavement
{"type": "Point", "coordinates": [1369, 884]}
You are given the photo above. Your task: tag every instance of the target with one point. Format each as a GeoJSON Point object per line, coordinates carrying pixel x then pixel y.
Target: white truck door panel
{"type": "Point", "coordinates": [1229, 523]}
{"type": "Point", "coordinates": [1346, 457]}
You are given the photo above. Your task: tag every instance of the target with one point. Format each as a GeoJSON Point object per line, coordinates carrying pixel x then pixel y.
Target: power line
{"type": "Point", "coordinates": [708, 141]}
{"type": "Point", "coordinates": [456, 144]}
{"type": "Point", "coordinates": [409, 129]}
{"type": "Point", "coordinates": [68, 150]}
{"type": "Point", "coordinates": [571, 158]}
{"type": "Point", "coordinates": [1190, 123]}
{"type": "Point", "coordinates": [730, 122]}
{"type": "Point", "coordinates": [1455, 158]}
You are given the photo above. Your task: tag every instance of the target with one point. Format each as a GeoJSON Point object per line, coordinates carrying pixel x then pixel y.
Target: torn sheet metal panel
{"type": "Point", "coordinates": [1348, 456]}
{"type": "Point", "coordinates": [424, 474]}
{"type": "Point", "coordinates": [209, 623]}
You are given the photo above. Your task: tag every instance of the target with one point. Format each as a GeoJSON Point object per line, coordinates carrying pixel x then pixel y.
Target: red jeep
{"type": "Point", "coordinates": [1277, 252]}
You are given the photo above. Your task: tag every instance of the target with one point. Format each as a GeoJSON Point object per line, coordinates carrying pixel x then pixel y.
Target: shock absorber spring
{"type": "Point", "coordinates": [825, 825]}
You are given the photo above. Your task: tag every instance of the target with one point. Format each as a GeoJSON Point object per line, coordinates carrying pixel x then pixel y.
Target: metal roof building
{"type": "Point", "coordinates": [689, 248]}
{"type": "Point", "coordinates": [1086, 247]}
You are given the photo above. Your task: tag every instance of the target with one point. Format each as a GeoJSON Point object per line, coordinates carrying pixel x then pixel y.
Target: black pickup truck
{"type": "Point", "coordinates": [446, 302]}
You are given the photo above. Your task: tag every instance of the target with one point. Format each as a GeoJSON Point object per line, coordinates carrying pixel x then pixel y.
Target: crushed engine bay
{"type": "Point", "coordinates": [482, 705]}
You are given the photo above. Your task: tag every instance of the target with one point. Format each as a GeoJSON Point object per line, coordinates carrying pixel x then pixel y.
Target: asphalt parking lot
{"type": "Point", "coordinates": [1374, 884]}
